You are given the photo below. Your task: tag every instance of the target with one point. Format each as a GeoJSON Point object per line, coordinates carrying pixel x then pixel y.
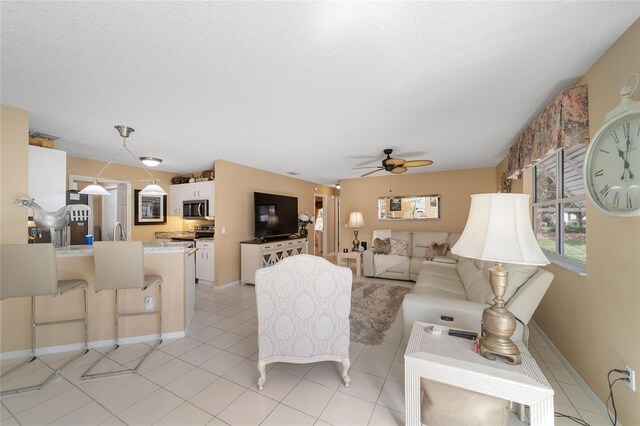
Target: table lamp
{"type": "Point", "coordinates": [499, 230]}
{"type": "Point", "coordinates": [356, 221]}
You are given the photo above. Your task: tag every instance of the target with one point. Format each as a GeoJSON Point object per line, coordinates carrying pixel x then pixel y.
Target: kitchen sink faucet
{"type": "Point", "coordinates": [122, 236]}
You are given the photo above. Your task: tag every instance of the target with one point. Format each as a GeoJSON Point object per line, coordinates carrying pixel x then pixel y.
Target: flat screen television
{"type": "Point", "coordinates": [276, 216]}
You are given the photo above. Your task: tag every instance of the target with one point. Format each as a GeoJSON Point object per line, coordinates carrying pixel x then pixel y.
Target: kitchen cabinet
{"type": "Point", "coordinates": [205, 261]}
{"type": "Point", "coordinates": [191, 191]}
{"type": "Point", "coordinates": [47, 177]}
{"type": "Point", "coordinates": [189, 286]}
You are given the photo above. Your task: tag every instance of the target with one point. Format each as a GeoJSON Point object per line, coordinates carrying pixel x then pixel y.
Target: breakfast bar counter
{"type": "Point", "coordinates": [172, 261]}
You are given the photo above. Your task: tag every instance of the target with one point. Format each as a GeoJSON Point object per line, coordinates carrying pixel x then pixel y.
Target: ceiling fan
{"type": "Point", "coordinates": [395, 165]}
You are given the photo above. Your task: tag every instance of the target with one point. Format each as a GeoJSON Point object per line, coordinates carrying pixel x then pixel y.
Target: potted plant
{"type": "Point", "coordinates": [304, 219]}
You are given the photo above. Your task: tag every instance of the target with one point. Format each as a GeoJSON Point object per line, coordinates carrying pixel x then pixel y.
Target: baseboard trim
{"type": "Point", "coordinates": [92, 345]}
{"type": "Point", "coordinates": [594, 398]}
{"type": "Point", "coordinates": [227, 285]}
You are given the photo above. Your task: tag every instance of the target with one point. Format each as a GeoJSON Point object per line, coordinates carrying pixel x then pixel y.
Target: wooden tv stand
{"type": "Point", "coordinates": [254, 256]}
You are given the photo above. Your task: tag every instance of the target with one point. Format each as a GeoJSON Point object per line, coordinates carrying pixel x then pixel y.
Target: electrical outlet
{"type": "Point", "coordinates": [632, 378]}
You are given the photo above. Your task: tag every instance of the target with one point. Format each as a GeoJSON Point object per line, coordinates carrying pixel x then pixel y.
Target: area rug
{"type": "Point", "coordinates": [374, 307]}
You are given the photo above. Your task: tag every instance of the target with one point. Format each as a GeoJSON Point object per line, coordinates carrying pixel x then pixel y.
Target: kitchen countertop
{"type": "Point", "coordinates": [86, 250]}
{"type": "Point", "coordinates": [176, 234]}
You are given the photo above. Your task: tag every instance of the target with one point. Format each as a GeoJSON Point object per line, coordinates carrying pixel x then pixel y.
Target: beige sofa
{"type": "Point", "coordinates": [456, 294]}
{"type": "Point", "coordinates": [409, 268]}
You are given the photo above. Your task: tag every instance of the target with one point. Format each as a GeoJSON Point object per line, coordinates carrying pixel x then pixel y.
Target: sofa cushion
{"type": "Point", "coordinates": [518, 275]}
{"type": "Point", "coordinates": [475, 283]}
{"type": "Point", "coordinates": [382, 246]}
{"type": "Point", "coordinates": [423, 240]}
{"type": "Point", "coordinates": [441, 269]}
{"type": "Point", "coordinates": [445, 259]}
{"type": "Point", "coordinates": [399, 247]}
{"type": "Point", "coordinates": [437, 292]}
{"type": "Point", "coordinates": [403, 236]}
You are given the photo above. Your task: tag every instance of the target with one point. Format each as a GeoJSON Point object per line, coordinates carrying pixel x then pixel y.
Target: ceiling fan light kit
{"type": "Point", "coordinates": [396, 165]}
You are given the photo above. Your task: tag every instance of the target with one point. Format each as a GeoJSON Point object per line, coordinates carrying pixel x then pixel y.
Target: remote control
{"type": "Point", "coordinates": [471, 335]}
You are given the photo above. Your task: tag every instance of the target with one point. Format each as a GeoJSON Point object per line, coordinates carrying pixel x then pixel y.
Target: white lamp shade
{"type": "Point", "coordinates": [153, 189]}
{"type": "Point", "coordinates": [499, 229]}
{"type": "Point", "coordinates": [356, 220]}
{"type": "Point", "coordinates": [94, 189]}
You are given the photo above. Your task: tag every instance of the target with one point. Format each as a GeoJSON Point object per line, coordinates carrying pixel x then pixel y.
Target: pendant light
{"type": "Point", "coordinates": [152, 189]}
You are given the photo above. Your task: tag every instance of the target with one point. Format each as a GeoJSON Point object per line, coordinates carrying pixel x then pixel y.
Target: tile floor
{"type": "Point", "coordinates": [209, 377]}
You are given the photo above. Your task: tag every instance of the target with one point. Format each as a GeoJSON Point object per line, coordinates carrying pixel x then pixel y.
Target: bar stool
{"type": "Point", "coordinates": [119, 265]}
{"type": "Point", "coordinates": [30, 270]}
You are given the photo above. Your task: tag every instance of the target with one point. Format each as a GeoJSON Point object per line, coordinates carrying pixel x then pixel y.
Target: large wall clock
{"type": "Point", "coordinates": [612, 160]}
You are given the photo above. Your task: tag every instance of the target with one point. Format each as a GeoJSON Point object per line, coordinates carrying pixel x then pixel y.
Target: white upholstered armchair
{"type": "Point", "coordinates": [304, 304]}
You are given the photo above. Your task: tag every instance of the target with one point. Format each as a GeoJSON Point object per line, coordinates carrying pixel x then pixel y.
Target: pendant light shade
{"type": "Point", "coordinates": [94, 189]}
{"type": "Point", "coordinates": [150, 161]}
{"type": "Point", "coordinates": [153, 189]}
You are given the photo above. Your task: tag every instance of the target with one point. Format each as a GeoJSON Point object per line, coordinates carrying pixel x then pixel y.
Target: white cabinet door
{"type": "Point", "coordinates": [47, 177]}
{"type": "Point", "coordinates": [191, 191]}
{"type": "Point", "coordinates": [205, 265]}
{"type": "Point", "coordinates": [176, 197]}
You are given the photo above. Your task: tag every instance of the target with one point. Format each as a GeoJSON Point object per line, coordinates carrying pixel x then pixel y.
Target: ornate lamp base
{"type": "Point", "coordinates": [356, 242]}
{"type": "Point", "coordinates": [499, 322]}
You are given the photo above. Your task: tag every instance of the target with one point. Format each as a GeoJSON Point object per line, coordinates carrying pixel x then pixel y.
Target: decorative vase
{"type": "Point", "coordinates": [303, 232]}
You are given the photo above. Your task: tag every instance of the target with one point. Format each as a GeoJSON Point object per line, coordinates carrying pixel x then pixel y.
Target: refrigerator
{"type": "Point", "coordinates": [77, 231]}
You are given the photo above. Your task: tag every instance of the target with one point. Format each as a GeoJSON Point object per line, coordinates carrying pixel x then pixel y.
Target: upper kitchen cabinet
{"type": "Point", "coordinates": [47, 177]}
{"type": "Point", "coordinates": [196, 191]}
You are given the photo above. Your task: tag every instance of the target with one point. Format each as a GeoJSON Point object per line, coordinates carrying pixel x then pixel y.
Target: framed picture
{"type": "Point", "coordinates": [395, 204]}
{"type": "Point", "coordinates": [150, 209]}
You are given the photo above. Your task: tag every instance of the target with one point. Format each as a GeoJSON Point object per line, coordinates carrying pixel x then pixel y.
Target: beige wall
{"type": "Point", "coordinates": [594, 320]}
{"type": "Point", "coordinates": [454, 187]}
{"type": "Point", "coordinates": [138, 178]}
{"type": "Point", "coordinates": [14, 173]}
{"type": "Point", "coordinates": [235, 185]}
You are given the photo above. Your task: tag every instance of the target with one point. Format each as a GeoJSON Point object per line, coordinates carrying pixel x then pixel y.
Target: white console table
{"type": "Point", "coordinates": [452, 361]}
{"type": "Point", "coordinates": [254, 256]}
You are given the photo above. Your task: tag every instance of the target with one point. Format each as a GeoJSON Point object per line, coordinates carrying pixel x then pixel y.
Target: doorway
{"type": "Point", "coordinates": [108, 210]}
{"type": "Point", "coordinates": [319, 227]}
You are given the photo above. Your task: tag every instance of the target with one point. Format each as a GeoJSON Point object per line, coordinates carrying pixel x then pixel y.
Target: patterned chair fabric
{"type": "Point", "coordinates": [304, 303]}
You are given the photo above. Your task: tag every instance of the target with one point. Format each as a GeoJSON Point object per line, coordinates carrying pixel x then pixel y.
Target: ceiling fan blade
{"type": "Point", "coordinates": [399, 170]}
{"type": "Point", "coordinates": [394, 161]}
{"type": "Point", "coordinates": [417, 163]}
{"type": "Point", "coordinates": [367, 167]}
{"type": "Point", "coordinates": [371, 172]}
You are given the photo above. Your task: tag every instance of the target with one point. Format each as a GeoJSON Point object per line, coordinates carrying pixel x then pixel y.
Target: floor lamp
{"type": "Point", "coordinates": [499, 230]}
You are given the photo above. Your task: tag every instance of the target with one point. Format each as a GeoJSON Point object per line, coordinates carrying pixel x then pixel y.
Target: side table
{"type": "Point", "coordinates": [352, 255]}
{"type": "Point", "coordinates": [451, 360]}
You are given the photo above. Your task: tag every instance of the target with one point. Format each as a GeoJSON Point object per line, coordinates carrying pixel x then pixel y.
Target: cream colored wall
{"type": "Point", "coordinates": [14, 174]}
{"type": "Point", "coordinates": [137, 177]}
{"type": "Point", "coordinates": [454, 187]}
{"type": "Point", "coordinates": [594, 320]}
{"type": "Point", "coordinates": [235, 185]}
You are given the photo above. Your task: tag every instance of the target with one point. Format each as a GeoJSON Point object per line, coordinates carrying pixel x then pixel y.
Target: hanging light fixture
{"type": "Point", "coordinates": [152, 189]}
{"type": "Point", "coordinates": [150, 161]}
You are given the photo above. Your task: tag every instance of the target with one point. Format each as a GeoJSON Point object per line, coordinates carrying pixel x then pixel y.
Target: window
{"type": "Point", "coordinates": [559, 206]}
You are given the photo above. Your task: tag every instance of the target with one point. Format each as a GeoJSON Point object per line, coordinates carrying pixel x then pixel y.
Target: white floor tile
{"type": "Point", "coordinates": [245, 374]}
{"type": "Point", "coordinates": [347, 410]}
{"type": "Point", "coordinates": [383, 416]}
{"type": "Point", "coordinates": [560, 373]}
{"type": "Point", "coordinates": [168, 372]}
{"type": "Point", "coordinates": [595, 419]}
{"type": "Point", "coordinates": [153, 361]}
{"type": "Point", "coordinates": [4, 412]}
{"type": "Point", "coordinates": [21, 402]}
{"type": "Point", "coordinates": [245, 329]}
{"type": "Point", "coordinates": [10, 421]}
{"type": "Point", "coordinates": [396, 372]}
{"type": "Point", "coordinates": [385, 350]}
{"type": "Point", "coordinates": [326, 373]}
{"type": "Point", "coordinates": [392, 396]}
{"type": "Point", "coordinates": [126, 395]}
{"type": "Point", "coordinates": [181, 346]}
{"type": "Point", "coordinates": [308, 397]}
{"type": "Point", "coordinates": [222, 363]}
{"type": "Point", "coordinates": [150, 409]}
{"type": "Point", "coordinates": [191, 383]}
{"type": "Point", "coordinates": [80, 416]}
{"type": "Point", "coordinates": [579, 398]}
{"type": "Point", "coordinates": [215, 397]}
{"type": "Point", "coordinates": [372, 364]}
{"type": "Point", "coordinates": [228, 323]}
{"type": "Point", "coordinates": [278, 384]}
{"type": "Point", "coordinates": [286, 416]}
{"type": "Point", "coordinates": [559, 397]}
{"type": "Point", "coordinates": [296, 369]}
{"type": "Point", "coordinates": [363, 385]}
{"type": "Point", "coordinates": [244, 315]}
{"type": "Point", "coordinates": [53, 408]}
{"type": "Point", "coordinates": [230, 311]}
{"type": "Point", "coordinates": [186, 414]}
{"type": "Point", "coordinates": [200, 355]}
{"type": "Point", "coordinates": [225, 340]}
{"type": "Point", "coordinates": [205, 334]}
{"type": "Point", "coordinates": [237, 413]}
{"type": "Point", "coordinates": [113, 421]}
{"type": "Point", "coordinates": [245, 347]}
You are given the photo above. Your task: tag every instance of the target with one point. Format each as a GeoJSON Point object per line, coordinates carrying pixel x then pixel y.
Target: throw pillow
{"type": "Point", "coordinates": [382, 246]}
{"type": "Point", "coordinates": [431, 253]}
{"type": "Point", "coordinates": [436, 249]}
{"type": "Point", "coordinates": [399, 247]}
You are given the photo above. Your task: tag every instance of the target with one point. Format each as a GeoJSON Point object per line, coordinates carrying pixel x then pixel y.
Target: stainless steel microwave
{"type": "Point", "coordinates": [195, 209]}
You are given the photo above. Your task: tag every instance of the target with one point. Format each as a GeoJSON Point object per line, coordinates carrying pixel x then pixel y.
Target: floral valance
{"type": "Point", "coordinates": [563, 123]}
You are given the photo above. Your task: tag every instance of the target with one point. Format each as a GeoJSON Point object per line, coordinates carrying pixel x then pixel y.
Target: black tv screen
{"type": "Point", "coordinates": [275, 215]}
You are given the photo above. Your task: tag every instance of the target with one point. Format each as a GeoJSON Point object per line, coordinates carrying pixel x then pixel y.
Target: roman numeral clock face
{"type": "Point", "coordinates": [612, 171]}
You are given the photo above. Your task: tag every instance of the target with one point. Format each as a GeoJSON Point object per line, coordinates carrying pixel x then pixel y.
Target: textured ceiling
{"type": "Point", "coordinates": [314, 88]}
